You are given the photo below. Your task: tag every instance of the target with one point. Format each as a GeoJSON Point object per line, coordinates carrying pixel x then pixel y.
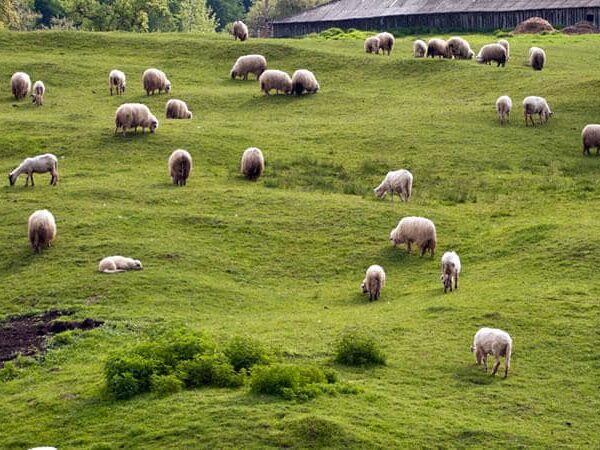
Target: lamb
{"type": "Point", "coordinates": [38, 164]}
{"type": "Point", "coordinates": [398, 181]}
{"type": "Point", "coordinates": [239, 31]}
{"type": "Point", "coordinates": [372, 44]}
{"type": "Point", "coordinates": [180, 166]}
{"type": "Point", "coordinates": [459, 48]}
{"type": "Point", "coordinates": [374, 282]}
{"type": "Point", "coordinates": [504, 43]}
{"type": "Point", "coordinates": [492, 341]}
{"type": "Point", "coordinates": [419, 230]}
{"type": "Point", "coordinates": [41, 229]}
{"type": "Point", "coordinates": [20, 84]}
{"type": "Point", "coordinates": [275, 79]}
{"type": "Point", "coordinates": [503, 107]}
{"type": "Point", "coordinates": [37, 96]}
{"type": "Point", "coordinates": [537, 58]}
{"type": "Point", "coordinates": [386, 42]}
{"type": "Point", "coordinates": [244, 65]}
{"type": "Point", "coordinates": [590, 137]}
{"type": "Point", "coordinates": [155, 80]}
{"type": "Point", "coordinates": [419, 49]}
{"type": "Point", "coordinates": [253, 163]}
{"type": "Point", "coordinates": [450, 270]}
{"type": "Point", "coordinates": [492, 52]}
{"type": "Point", "coordinates": [117, 81]}
{"type": "Point", "coordinates": [177, 109]}
{"type": "Point", "coordinates": [114, 264]}
{"type": "Point", "coordinates": [536, 105]}
{"type": "Point", "coordinates": [438, 47]}
{"type": "Point", "coordinates": [304, 81]}
{"type": "Point", "coordinates": [134, 115]}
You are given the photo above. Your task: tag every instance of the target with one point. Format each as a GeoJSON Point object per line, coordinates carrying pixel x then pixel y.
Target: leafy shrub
{"type": "Point", "coordinates": [9, 371]}
{"type": "Point", "coordinates": [358, 349]}
{"type": "Point", "coordinates": [209, 370]}
{"type": "Point", "coordinates": [165, 384]}
{"type": "Point", "coordinates": [244, 352]}
{"type": "Point", "coordinates": [129, 375]}
{"type": "Point", "coordinates": [285, 380]}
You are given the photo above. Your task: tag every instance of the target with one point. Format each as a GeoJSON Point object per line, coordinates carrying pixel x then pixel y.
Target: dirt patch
{"type": "Point", "coordinates": [533, 25]}
{"type": "Point", "coordinates": [27, 335]}
{"type": "Point", "coordinates": [583, 27]}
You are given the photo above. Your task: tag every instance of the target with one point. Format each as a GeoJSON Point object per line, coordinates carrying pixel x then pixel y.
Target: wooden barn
{"type": "Point", "coordinates": [463, 15]}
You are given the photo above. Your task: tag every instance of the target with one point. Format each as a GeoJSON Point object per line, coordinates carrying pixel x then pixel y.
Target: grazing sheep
{"type": "Point", "coordinates": [244, 65]}
{"type": "Point", "coordinates": [253, 163]}
{"type": "Point", "coordinates": [460, 48]}
{"type": "Point", "coordinates": [177, 109]}
{"type": "Point", "coordinates": [38, 164]}
{"type": "Point", "coordinates": [438, 47]}
{"type": "Point", "coordinates": [117, 81]}
{"type": "Point", "coordinates": [41, 229]}
{"type": "Point", "coordinates": [590, 137]}
{"type": "Point", "coordinates": [134, 115]}
{"type": "Point", "coordinates": [304, 81]}
{"type": "Point", "coordinates": [372, 45]}
{"type": "Point", "coordinates": [450, 270]}
{"type": "Point", "coordinates": [20, 84]}
{"type": "Point", "coordinates": [114, 264]}
{"type": "Point", "coordinates": [419, 230]}
{"type": "Point", "coordinates": [155, 80]}
{"type": "Point", "coordinates": [386, 42]}
{"type": "Point", "coordinates": [536, 105]}
{"type": "Point", "coordinates": [537, 58]}
{"type": "Point", "coordinates": [37, 94]}
{"type": "Point", "coordinates": [504, 43]}
{"type": "Point", "coordinates": [492, 52]}
{"type": "Point", "coordinates": [398, 181]}
{"type": "Point", "coordinates": [275, 79]}
{"type": "Point", "coordinates": [180, 166]}
{"type": "Point", "coordinates": [503, 107]}
{"type": "Point", "coordinates": [419, 48]}
{"type": "Point", "coordinates": [492, 341]}
{"type": "Point", "coordinates": [373, 282]}
{"type": "Point", "coordinates": [239, 30]}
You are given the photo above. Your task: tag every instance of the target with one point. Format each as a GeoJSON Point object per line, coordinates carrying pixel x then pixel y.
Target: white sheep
{"type": "Point", "coordinates": [304, 81]}
{"type": "Point", "coordinates": [503, 107]}
{"type": "Point", "coordinates": [537, 58]}
{"type": "Point", "coordinates": [419, 48]}
{"type": "Point", "coordinates": [37, 94]}
{"type": "Point", "coordinates": [386, 42]}
{"type": "Point", "coordinates": [492, 341]}
{"type": "Point", "coordinates": [590, 137]}
{"type": "Point", "coordinates": [374, 282]}
{"type": "Point", "coordinates": [38, 164]}
{"type": "Point", "coordinates": [180, 166]}
{"type": "Point", "coordinates": [275, 79]}
{"type": "Point", "coordinates": [419, 230]}
{"type": "Point", "coordinates": [492, 52]}
{"type": "Point", "coordinates": [20, 84]}
{"type": "Point", "coordinates": [41, 229]}
{"type": "Point", "coordinates": [398, 181]}
{"type": "Point", "coordinates": [117, 81]}
{"type": "Point", "coordinates": [244, 65]}
{"type": "Point", "coordinates": [372, 45]}
{"type": "Point", "coordinates": [114, 264]}
{"type": "Point", "coordinates": [155, 80]}
{"type": "Point", "coordinates": [252, 164]}
{"type": "Point", "coordinates": [460, 48]}
{"type": "Point", "coordinates": [134, 115]}
{"type": "Point", "coordinates": [177, 109]}
{"type": "Point", "coordinates": [504, 43]}
{"type": "Point", "coordinates": [450, 270]}
{"type": "Point", "coordinates": [536, 105]}
{"type": "Point", "coordinates": [239, 30]}
{"type": "Point", "coordinates": [438, 47]}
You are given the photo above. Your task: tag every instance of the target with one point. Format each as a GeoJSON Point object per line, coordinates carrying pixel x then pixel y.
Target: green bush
{"type": "Point", "coordinates": [358, 349]}
{"type": "Point", "coordinates": [244, 352]}
{"type": "Point", "coordinates": [129, 375]}
{"type": "Point", "coordinates": [9, 371]}
{"type": "Point", "coordinates": [286, 380]}
{"type": "Point", "coordinates": [165, 384]}
{"type": "Point", "coordinates": [209, 370]}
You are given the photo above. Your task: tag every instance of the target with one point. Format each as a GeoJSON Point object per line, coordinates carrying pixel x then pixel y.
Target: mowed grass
{"type": "Point", "coordinates": [282, 259]}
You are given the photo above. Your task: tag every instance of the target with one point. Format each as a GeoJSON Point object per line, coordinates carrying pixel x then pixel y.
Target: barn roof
{"type": "Point", "coordinates": [359, 9]}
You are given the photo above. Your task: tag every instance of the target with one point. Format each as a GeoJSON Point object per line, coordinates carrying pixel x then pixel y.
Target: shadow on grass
{"type": "Point", "coordinates": [474, 375]}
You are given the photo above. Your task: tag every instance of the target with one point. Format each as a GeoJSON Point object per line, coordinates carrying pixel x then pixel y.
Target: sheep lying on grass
{"type": "Point", "coordinates": [134, 115]}
{"type": "Point", "coordinates": [114, 264]}
{"type": "Point", "coordinates": [20, 84]}
{"type": "Point", "coordinates": [275, 79]}
{"type": "Point", "coordinates": [372, 45]}
{"type": "Point", "coordinates": [450, 270]}
{"type": "Point", "coordinates": [492, 52]}
{"type": "Point", "coordinates": [155, 80]}
{"type": "Point", "coordinates": [503, 107]}
{"type": "Point", "coordinates": [117, 81]}
{"type": "Point", "coordinates": [177, 109]}
{"type": "Point", "coordinates": [239, 31]}
{"type": "Point", "coordinates": [304, 81]}
{"type": "Point", "coordinates": [244, 65]}
{"type": "Point", "coordinates": [37, 94]}
{"type": "Point", "coordinates": [492, 341]}
{"type": "Point", "coordinates": [253, 163]}
{"type": "Point", "coordinates": [419, 230]}
{"type": "Point", "coordinates": [536, 105]}
{"type": "Point", "coordinates": [590, 137]}
{"type": "Point", "coordinates": [41, 229]}
{"type": "Point", "coordinates": [180, 166]}
{"type": "Point", "coordinates": [38, 164]}
{"type": "Point", "coordinates": [398, 181]}
{"type": "Point", "coordinates": [373, 282]}
{"type": "Point", "coordinates": [419, 48]}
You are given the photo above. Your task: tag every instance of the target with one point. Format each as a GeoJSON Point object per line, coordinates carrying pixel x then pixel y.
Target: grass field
{"type": "Point", "coordinates": [282, 259]}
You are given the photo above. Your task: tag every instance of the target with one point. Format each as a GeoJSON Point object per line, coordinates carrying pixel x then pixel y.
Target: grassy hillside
{"type": "Point", "coordinates": [282, 259]}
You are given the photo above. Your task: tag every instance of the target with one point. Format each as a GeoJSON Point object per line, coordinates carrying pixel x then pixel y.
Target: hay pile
{"type": "Point", "coordinates": [582, 27]}
{"type": "Point", "coordinates": [533, 25]}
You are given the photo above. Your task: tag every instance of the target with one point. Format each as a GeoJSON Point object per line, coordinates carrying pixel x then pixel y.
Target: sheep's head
{"type": "Point", "coordinates": [470, 54]}
{"type": "Point", "coordinates": [137, 265]}
{"type": "Point", "coordinates": [363, 287]}
{"type": "Point", "coordinates": [189, 115]}
{"type": "Point", "coordinates": [233, 74]}
{"type": "Point", "coordinates": [447, 281]}
{"type": "Point", "coordinates": [153, 125]}
{"type": "Point", "coordinates": [11, 179]}
{"type": "Point", "coordinates": [380, 191]}
{"type": "Point", "coordinates": [168, 86]}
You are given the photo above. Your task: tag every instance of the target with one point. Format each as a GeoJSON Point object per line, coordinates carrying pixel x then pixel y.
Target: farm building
{"type": "Point", "coordinates": [472, 15]}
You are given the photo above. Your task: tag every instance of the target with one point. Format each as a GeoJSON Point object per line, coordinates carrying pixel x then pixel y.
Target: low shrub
{"type": "Point", "coordinates": [129, 375]}
{"type": "Point", "coordinates": [245, 352]}
{"type": "Point", "coordinates": [209, 370]}
{"type": "Point", "coordinates": [358, 349]}
{"type": "Point", "coordinates": [9, 371]}
{"type": "Point", "coordinates": [165, 384]}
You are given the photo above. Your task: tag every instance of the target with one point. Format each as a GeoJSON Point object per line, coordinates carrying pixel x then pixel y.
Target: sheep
{"type": "Point", "coordinates": [372, 45]}
{"type": "Point", "coordinates": [38, 164]}
{"type": "Point", "coordinates": [20, 84]}
{"type": "Point", "coordinates": [244, 65]}
{"type": "Point", "coordinates": [437, 47]}
{"type": "Point", "coordinates": [492, 52]}
{"type": "Point", "coordinates": [37, 94]}
{"type": "Point", "coordinates": [114, 264]}
{"type": "Point", "coordinates": [41, 229]}
{"type": "Point", "coordinates": [252, 164]}
{"type": "Point", "coordinates": [180, 166]}
{"type": "Point", "coordinates": [386, 42]}
{"type": "Point", "coordinates": [536, 105]}
{"type": "Point", "coordinates": [304, 81]}
{"type": "Point", "coordinates": [415, 229]}
{"type": "Point", "coordinates": [398, 181]}
{"type": "Point", "coordinates": [134, 115]}
{"type": "Point", "coordinates": [537, 58]}
{"type": "Point", "coordinates": [503, 107]}
{"type": "Point", "coordinates": [590, 137]}
{"type": "Point", "coordinates": [419, 48]}
{"type": "Point", "coordinates": [450, 270]}
{"type": "Point", "coordinates": [275, 79]}
{"type": "Point", "coordinates": [117, 81]}
{"type": "Point", "coordinates": [504, 43]}
{"type": "Point", "coordinates": [154, 79]}
{"type": "Point", "coordinates": [459, 48]}
{"type": "Point", "coordinates": [239, 31]}
{"type": "Point", "coordinates": [374, 282]}
{"type": "Point", "coordinates": [177, 109]}
{"type": "Point", "coordinates": [492, 341]}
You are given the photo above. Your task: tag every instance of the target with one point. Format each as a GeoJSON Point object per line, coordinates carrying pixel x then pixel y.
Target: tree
{"type": "Point", "coordinates": [226, 11]}
{"type": "Point", "coordinates": [195, 15]}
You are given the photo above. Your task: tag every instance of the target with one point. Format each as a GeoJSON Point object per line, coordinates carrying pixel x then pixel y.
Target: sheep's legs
{"type": "Point", "coordinates": [495, 369]}
{"type": "Point", "coordinates": [408, 246]}
{"type": "Point", "coordinates": [484, 359]}
{"type": "Point", "coordinates": [456, 281]}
